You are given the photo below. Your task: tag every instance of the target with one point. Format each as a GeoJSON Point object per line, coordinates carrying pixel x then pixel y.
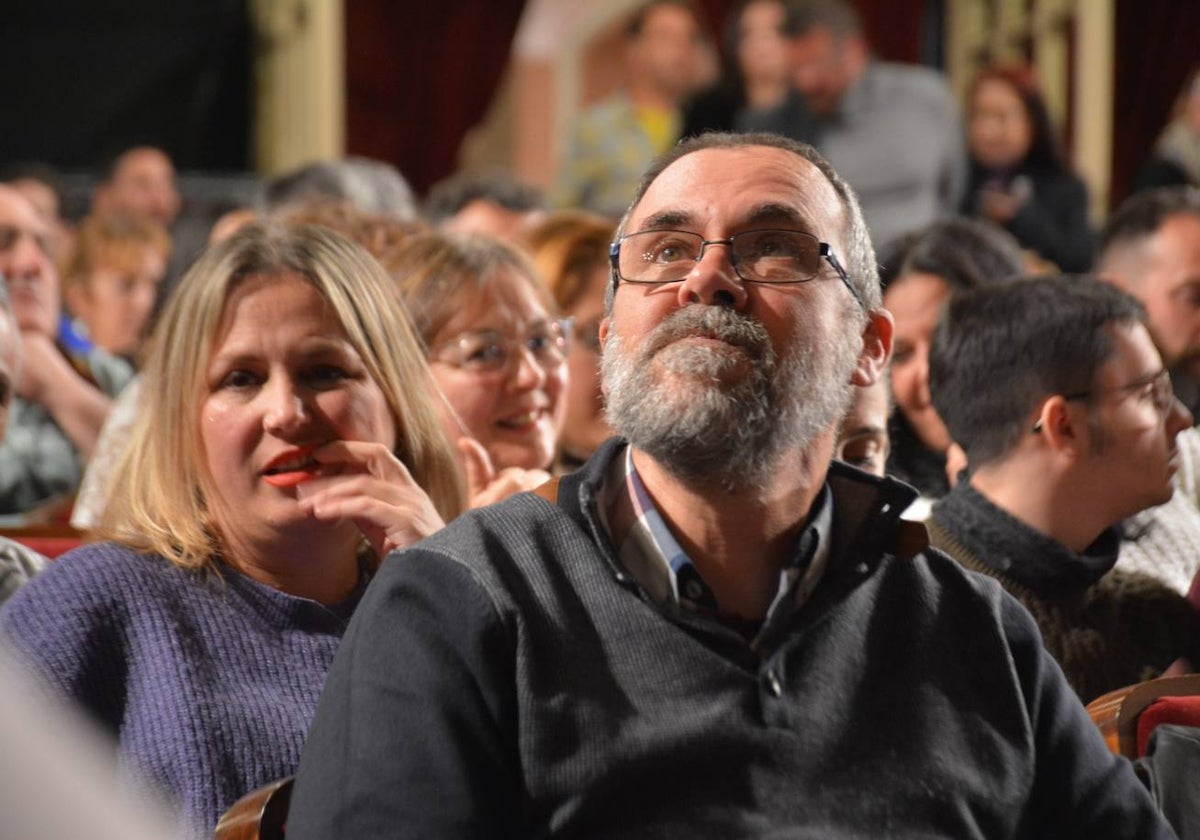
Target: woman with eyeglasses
{"type": "Point", "coordinates": [497, 353]}
{"type": "Point", "coordinates": [570, 249]}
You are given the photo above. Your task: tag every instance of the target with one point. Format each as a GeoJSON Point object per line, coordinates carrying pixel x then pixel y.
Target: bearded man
{"type": "Point", "coordinates": [710, 630]}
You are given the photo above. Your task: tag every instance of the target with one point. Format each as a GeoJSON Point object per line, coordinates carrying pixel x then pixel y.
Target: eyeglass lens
{"type": "Point", "coordinates": [765, 256]}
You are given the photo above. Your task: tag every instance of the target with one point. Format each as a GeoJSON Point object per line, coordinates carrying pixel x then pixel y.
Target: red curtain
{"type": "Point", "coordinates": [419, 75]}
{"type": "Point", "coordinates": [1156, 45]}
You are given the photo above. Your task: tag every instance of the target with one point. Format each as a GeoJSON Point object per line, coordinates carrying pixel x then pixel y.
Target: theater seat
{"type": "Point", "coordinates": [47, 540]}
{"type": "Point", "coordinates": [1126, 717]}
{"type": "Point", "coordinates": [259, 815]}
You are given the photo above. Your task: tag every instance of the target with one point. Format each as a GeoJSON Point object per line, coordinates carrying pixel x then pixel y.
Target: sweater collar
{"type": "Point", "coordinates": [1023, 554]}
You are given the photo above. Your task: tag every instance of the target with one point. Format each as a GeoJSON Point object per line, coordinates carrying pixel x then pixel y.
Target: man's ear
{"type": "Point", "coordinates": [876, 348]}
{"type": "Point", "coordinates": [1059, 426]}
{"type": "Point", "coordinates": [603, 333]}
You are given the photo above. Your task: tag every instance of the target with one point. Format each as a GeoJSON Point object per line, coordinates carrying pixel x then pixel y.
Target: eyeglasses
{"type": "Point", "coordinates": [1157, 386]}
{"type": "Point", "coordinates": [488, 351]}
{"type": "Point", "coordinates": [771, 257]}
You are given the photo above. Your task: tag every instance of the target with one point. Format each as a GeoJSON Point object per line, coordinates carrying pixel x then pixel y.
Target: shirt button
{"type": "Point", "coordinates": [773, 684]}
{"type": "Point", "coordinates": [693, 589]}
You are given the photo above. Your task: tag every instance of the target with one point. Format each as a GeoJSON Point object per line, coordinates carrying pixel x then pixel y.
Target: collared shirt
{"type": "Point", "coordinates": [648, 551]}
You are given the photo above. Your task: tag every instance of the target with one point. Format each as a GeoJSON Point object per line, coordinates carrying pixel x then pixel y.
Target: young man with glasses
{"type": "Point", "coordinates": [1071, 435]}
{"type": "Point", "coordinates": [709, 630]}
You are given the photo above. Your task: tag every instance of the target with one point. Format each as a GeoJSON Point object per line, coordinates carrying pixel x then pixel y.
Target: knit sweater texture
{"type": "Point", "coordinates": [208, 683]}
{"type": "Point", "coordinates": [508, 678]}
{"type": "Point", "coordinates": [1164, 541]}
{"type": "Point", "coordinates": [1106, 627]}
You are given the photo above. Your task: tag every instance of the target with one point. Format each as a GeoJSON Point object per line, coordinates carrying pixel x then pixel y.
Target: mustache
{"type": "Point", "coordinates": [713, 322]}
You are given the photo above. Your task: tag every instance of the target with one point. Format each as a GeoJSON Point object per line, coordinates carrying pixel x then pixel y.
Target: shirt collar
{"type": "Point", "coordinates": [649, 552]}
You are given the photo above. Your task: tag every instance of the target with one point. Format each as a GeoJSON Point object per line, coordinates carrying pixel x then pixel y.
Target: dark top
{"type": "Point", "coordinates": [1053, 221]}
{"type": "Point", "coordinates": [507, 678]}
{"type": "Point", "coordinates": [1107, 628]}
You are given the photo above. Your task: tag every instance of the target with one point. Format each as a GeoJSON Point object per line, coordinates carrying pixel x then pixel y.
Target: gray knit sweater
{"type": "Point", "coordinates": [209, 684]}
{"type": "Point", "coordinates": [506, 678]}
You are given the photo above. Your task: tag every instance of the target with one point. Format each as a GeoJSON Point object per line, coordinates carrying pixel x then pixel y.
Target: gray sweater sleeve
{"type": "Point", "coordinates": [415, 733]}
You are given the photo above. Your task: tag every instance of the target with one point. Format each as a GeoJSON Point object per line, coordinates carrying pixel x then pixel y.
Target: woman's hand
{"type": "Point", "coordinates": [374, 490]}
{"type": "Point", "coordinates": [486, 485]}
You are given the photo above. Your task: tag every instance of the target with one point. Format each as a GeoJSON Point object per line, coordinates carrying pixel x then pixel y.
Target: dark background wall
{"type": "Point", "coordinates": [83, 80]}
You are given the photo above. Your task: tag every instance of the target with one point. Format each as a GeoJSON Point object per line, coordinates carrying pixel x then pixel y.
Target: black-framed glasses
{"type": "Point", "coordinates": [489, 351]}
{"type": "Point", "coordinates": [1161, 392]}
{"type": "Point", "coordinates": [768, 256]}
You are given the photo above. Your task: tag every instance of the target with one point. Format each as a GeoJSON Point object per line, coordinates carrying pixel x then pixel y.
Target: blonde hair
{"type": "Point", "coordinates": [162, 484]}
{"type": "Point", "coordinates": [567, 247]}
{"type": "Point", "coordinates": [436, 271]}
{"type": "Point", "coordinates": [118, 242]}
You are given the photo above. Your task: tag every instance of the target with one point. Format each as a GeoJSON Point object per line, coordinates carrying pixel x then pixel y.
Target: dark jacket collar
{"type": "Point", "coordinates": [1000, 541]}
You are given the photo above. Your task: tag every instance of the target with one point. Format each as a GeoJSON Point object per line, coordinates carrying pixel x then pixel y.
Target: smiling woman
{"type": "Point", "coordinates": [497, 352]}
{"type": "Point", "coordinates": [285, 443]}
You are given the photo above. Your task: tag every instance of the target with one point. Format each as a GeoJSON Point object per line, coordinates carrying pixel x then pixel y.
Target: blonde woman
{"type": "Point", "coordinates": [285, 444]}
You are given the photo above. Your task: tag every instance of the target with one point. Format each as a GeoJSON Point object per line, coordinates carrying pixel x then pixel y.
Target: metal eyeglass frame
{"type": "Point", "coordinates": [824, 251]}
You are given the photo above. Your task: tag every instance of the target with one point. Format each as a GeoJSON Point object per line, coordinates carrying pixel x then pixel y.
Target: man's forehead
{"type": "Point", "coordinates": [736, 185]}
{"type": "Point", "coordinates": [17, 211]}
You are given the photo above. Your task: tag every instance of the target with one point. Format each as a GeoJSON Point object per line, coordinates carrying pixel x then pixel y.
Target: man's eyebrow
{"type": "Point", "coordinates": [667, 219]}
{"type": "Point", "coordinates": [776, 214]}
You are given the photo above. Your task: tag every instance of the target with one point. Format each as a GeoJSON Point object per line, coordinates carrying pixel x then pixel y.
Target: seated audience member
{"type": "Point", "coordinates": [42, 187]}
{"type": "Point", "coordinates": [17, 563]}
{"type": "Point", "coordinates": [111, 276]}
{"type": "Point", "coordinates": [285, 443]}
{"type": "Point", "coordinates": [489, 203]}
{"type": "Point", "coordinates": [613, 140]}
{"type": "Point", "coordinates": [710, 630]}
{"type": "Point", "coordinates": [863, 439]}
{"type": "Point", "coordinates": [1071, 435]}
{"type": "Point", "coordinates": [62, 398]}
{"type": "Point", "coordinates": [1018, 179]}
{"type": "Point", "coordinates": [369, 186]}
{"type": "Point", "coordinates": [892, 130]}
{"type": "Point", "coordinates": [138, 183]}
{"type": "Point", "coordinates": [1150, 248]}
{"type": "Point", "coordinates": [570, 250]}
{"type": "Point", "coordinates": [381, 236]}
{"type": "Point", "coordinates": [497, 351]}
{"type": "Point", "coordinates": [756, 70]}
{"type": "Point", "coordinates": [1175, 160]}
{"type": "Point", "coordinates": [944, 258]}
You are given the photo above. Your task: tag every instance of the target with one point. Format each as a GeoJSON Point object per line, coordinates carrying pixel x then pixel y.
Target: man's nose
{"type": "Point", "coordinates": [1178, 417]}
{"type": "Point", "coordinates": [713, 280]}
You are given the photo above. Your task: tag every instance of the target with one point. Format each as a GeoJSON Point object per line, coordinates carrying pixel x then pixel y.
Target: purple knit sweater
{"type": "Point", "coordinates": [209, 684]}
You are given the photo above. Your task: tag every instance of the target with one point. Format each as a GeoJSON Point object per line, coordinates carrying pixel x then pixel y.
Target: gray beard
{"type": "Point", "coordinates": [726, 415]}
